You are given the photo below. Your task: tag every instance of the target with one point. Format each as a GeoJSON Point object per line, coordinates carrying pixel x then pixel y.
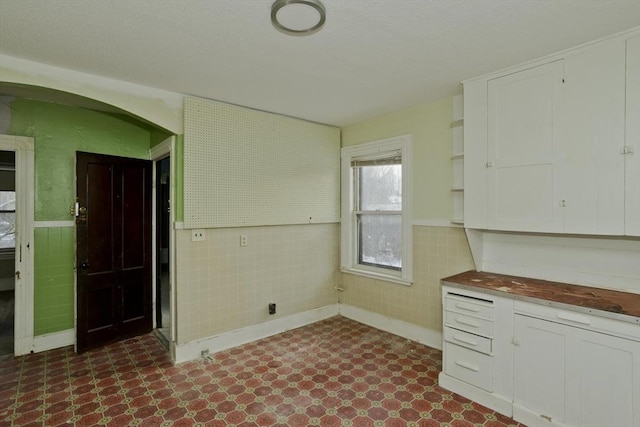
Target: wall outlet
{"type": "Point", "coordinates": [244, 240]}
{"type": "Point", "coordinates": [197, 235]}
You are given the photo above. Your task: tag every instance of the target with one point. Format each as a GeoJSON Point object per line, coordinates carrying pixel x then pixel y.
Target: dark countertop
{"type": "Point", "coordinates": [605, 300]}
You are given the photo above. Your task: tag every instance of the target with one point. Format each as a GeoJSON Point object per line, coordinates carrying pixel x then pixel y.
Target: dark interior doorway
{"type": "Point", "coordinates": [113, 229]}
{"type": "Point", "coordinates": [7, 250]}
{"type": "Point", "coordinates": [163, 255]}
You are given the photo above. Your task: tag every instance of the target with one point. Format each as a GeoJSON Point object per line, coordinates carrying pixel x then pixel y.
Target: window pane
{"type": "Point", "coordinates": [7, 200]}
{"type": "Point", "coordinates": [7, 230]}
{"type": "Point", "coordinates": [381, 188]}
{"type": "Point", "coordinates": [380, 240]}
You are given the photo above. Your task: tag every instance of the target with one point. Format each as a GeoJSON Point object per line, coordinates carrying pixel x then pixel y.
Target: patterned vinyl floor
{"type": "Point", "coordinates": [332, 373]}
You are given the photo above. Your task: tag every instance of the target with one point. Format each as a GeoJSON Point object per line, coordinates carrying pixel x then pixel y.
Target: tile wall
{"type": "Point", "coordinates": [223, 286]}
{"type": "Point", "coordinates": [437, 252]}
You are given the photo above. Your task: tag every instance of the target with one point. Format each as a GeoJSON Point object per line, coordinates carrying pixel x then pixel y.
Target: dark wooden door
{"type": "Point", "coordinates": [113, 253]}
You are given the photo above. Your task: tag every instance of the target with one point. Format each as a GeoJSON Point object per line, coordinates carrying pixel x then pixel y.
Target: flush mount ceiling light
{"type": "Point", "coordinates": [298, 17]}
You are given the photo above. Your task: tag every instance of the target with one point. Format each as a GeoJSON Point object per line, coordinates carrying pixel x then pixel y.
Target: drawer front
{"type": "Point", "coordinates": [469, 366]}
{"type": "Point", "coordinates": [580, 320]}
{"type": "Point", "coordinates": [465, 323]}
{"type": "Point", "coordinates": [468, 306]}
{"type": "Point", "coordinates": [465, 339]}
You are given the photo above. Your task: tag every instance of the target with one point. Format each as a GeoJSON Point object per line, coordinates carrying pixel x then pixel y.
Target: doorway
{"type": "Point", "coordinates": [163, 248]}
{"type": "Point", "coordinates": [113, 256]}
{"type": "Point", "coordinates": [7, 250]}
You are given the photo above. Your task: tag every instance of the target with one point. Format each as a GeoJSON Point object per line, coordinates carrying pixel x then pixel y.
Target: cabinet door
{"type": "Point", "coordinates": [607, 390]}
{"type": "Point", "coordinates": [632, 166]}
{"type": "Point", "coordinates": [574, 376]}
{"type": "Point", "coordinates": [540, 367]}
{"type": "Point", "coordinates": [589, 156]}
{"type": "Point", "coordinates": [524, 118]}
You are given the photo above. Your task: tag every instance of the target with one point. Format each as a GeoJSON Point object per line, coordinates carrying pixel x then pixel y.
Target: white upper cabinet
{"type": "Point", "coordinates": [522, 188]}
{"type": "Point", "coordinates": [589, 157]}
{"type": "Point", "coordinates": [553, 146]}
{"type": "Point", "coordinates": [632, 142]}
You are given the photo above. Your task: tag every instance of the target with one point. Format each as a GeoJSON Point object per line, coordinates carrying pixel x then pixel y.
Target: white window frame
{"type": "Point", "coordinates": [349, 255]}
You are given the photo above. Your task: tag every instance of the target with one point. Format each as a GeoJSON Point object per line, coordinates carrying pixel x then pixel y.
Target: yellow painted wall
{"type": "Point", "coordinates": [432, 139]}
{"type": "Point", "coordinates": [438, 251]}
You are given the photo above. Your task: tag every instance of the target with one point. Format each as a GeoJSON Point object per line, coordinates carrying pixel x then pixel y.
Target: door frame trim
{"type": "Point", "coordinates": [24, 287]}
{"type": "Point", "coordinates": [159, 152]}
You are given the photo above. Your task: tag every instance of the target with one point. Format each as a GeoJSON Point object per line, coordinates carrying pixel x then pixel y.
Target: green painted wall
{"type": "Point", "coordinates": [432, 147]}
{"type": "Point", "coordinates": [59, 131]}
{"type": "Point", "coordinates": [53, 299]}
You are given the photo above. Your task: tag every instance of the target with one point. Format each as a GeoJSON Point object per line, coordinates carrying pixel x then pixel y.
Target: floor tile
{"type": "Point", "coordinates": [332, 373]}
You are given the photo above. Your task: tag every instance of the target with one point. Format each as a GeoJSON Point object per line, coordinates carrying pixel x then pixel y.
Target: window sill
{"type": "Point", "coordinates": [377, 276]}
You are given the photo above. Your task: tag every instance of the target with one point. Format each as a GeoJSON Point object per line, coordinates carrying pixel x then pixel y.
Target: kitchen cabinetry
{"type": "Point", "coordinates": [632, 143]}
{"type": "Point", "coordinates": [477, 348]}
{"type": "Point", "coordinates": [548, 145]}
{"type": "Point", "coordinates": [565, 374]}
{"type": "Point", "coordinates": [523, 138]}
{"type": "Point", "coordinates": [540, 361]}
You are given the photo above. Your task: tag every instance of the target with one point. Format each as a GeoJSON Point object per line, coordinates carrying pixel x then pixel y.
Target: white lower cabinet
{"type": "Point", "coordinates": [540, 370]}
{"type": "Point", "coordinates": [541, 365]}
{"type": "Point", "coordinates": [566, 375]}
{"type": "Point", "coordinates": [477, 350]}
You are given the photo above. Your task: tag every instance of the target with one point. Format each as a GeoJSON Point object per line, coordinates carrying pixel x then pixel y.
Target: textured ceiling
{"type": "Point", "coordinates": [372, 56]}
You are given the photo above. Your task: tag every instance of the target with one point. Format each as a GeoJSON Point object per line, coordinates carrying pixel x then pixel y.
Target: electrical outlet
{"type": "Point", "coordinates": [197, 235]}
{"type": "Point", "coordinates": [244, 240]}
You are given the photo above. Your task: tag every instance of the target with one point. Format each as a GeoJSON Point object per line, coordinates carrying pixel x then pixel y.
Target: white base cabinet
{"type": "Point", "coordinates": [568, 375]}
{"type": "Point", "coordinates": [541, 365]}
{"type": "Point", "coordinates": [477, 350]}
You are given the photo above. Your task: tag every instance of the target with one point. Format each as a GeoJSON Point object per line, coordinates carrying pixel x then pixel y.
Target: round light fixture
{"type": "Point", "coordinates": [298, 17]}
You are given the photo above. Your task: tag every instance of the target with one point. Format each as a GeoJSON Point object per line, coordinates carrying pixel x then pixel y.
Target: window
{"type": "Point", "coordinates": [7, 220]}
{"type": "Point", "coordinates": [7, 201]}
{"type": "Point", "coordinates": [376, 218]}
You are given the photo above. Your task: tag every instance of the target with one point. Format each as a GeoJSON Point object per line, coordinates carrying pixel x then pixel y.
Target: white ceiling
{"type": "Point", "coordinates": [371, 57]}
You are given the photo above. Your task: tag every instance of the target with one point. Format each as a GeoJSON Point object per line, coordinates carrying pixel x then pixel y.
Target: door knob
{"type": "Point", "coordinates": [84, 265]}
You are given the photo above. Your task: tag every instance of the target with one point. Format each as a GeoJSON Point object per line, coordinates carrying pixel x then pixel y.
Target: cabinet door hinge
{"type": "Point", "coordinates": [489, 164]}
{"type": "Point", "coordinates": [562, 203]}
{"type": "Point", "coordinates": [515, 341]}
{"type": "Point", "coordinates": [627, 149]}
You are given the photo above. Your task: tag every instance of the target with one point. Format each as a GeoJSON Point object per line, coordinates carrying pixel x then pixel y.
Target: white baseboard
{"type": "Point", "coordinates": [397, 327]}
{"type": "Point", "coordinates": [54, 340]}
{"type": "Point", "coordinates": [193, 349]}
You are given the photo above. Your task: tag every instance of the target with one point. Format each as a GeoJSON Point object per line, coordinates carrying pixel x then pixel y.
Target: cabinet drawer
{"type": "Point", "coordinates": [469, 306]}
{"type": "Point", "coordinates": [578, 319]}
{"type": "Point", "coordinates": [469, 366]}
{"type": "Point", "coordinates": [465, 339]}
{"type": "Point", "coordinates": [466, 323]}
